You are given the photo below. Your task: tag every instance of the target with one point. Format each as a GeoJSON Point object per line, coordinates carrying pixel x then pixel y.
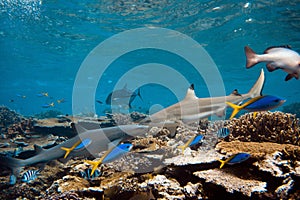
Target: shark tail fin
{"type": "Point", "coordinates": [223, 162]}
{"type": "Point", "coordinates": [236, 109]}
{"type": "Point", "coordinates": [13, 163]}
{"type": "Point", "coordinates": [95, 164]}
{"type": "Point", "coordinates": [257, 87]}
{"type": "Point", "coordinates": [251, 57]}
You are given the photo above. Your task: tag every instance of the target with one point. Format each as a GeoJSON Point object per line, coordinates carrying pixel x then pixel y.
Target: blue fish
{"type": "Point", "coordinates": [79, 145]}
{"type": "Point", "coordinates": [111, 155]}
{"type": "Point", "coordinates": [223, 132]}
{"type": "Point", "coordinates": [260, 103]}
{"type": "Point", "coordinates": [86, 142]}
{"type": "Point", "coordinates": [192, 142]}
{"type": "Point", "coordinates": [48, 105]}
{"type": "Point", "coordinates": [234, 159]}
{"type": "Point", "coordinates": [12, 179]}
{"type": "Point", "coordinates": [86, 174]}
{"type": "Point", "coordinates": [30, 175]}
{"type": "Point", "coordinates": [117, 152]}
{"type": "Point", "coordinates": [42, 94]}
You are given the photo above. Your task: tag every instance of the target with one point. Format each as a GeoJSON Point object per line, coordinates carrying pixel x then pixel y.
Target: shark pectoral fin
{"type": "Point", "coordinates": [236, 109]}
{"type": "Point", "coordinates": [223, 162]}
{"type": "Point", "coordinates": [68, 151]}
{"type": "Point", "coordinates": [95, 164]}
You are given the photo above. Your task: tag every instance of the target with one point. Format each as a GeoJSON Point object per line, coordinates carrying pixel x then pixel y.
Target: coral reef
{"type": "Point", "coordinates": [237, 184]}
{"type": "Point", "coordinates": [48, 114]}
{"type": "Point", "coordinates": [8, 117]}
{"type": "Point", "coordinates": [277, 127]}
{"type": "Point", "coordinates": [157, 169]}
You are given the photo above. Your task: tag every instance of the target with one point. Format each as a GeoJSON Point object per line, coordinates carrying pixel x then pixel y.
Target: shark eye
{"type": "Point", "coordinates": [276, 100]}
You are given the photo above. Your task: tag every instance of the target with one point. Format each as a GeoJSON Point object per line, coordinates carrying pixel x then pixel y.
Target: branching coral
{"type": "Point", "coordinates": [275, 127]}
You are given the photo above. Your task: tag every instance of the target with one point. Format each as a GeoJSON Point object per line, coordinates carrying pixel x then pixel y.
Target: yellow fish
{"type": "Point", "coordinates": [68, 150]}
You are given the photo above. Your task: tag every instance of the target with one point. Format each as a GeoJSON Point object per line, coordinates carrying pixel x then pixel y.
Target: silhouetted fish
{"type": "Point", "coordinates": [122, 96]}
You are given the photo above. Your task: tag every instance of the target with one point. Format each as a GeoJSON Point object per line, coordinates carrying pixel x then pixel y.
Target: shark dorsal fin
{"type": "Point", "coordinates": [235, 93]}
{"type": "Point", "coordinates": [38, 148]}
{"type": "Point", "coordinates": [190, 94]}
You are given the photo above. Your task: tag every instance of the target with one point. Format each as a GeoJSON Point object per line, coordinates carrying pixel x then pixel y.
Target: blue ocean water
{"type": "Point", "coordinates": [44, 43]}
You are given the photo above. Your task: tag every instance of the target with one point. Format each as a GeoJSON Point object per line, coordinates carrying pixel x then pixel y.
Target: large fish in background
{"type": "Point", "coordinates": [276, 57]}
{"type": "Point", "coordinates": [122, 96]}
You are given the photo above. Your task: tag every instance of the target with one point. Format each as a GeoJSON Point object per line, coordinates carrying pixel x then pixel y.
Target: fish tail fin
{"type": "Point", "coordinates": [95, 164]}
{"type": "Point", "coordinates": [223, 162]}
{"type": "Point", "coordinates": [182, 148]}
{"type": "Point", "coordinates": [251, 57]}
{"type": "Point", "coordinates": [236, 109]}
{"type": "Point", "coordinates": [68, 151]}
{"type": "Point", "coordinates": [257, 88]}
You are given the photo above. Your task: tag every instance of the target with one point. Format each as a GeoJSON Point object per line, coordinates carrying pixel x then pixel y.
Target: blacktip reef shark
{"type": "Point", "coordinates": [96, 140]}
{"type": "Point", "coordinates": [192, 108]}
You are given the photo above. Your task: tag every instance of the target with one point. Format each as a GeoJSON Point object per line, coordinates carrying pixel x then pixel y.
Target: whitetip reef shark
{"type": "Point", "coordinates": [100, 140]}
{"type": "Point", "coordinates": [192, 108]}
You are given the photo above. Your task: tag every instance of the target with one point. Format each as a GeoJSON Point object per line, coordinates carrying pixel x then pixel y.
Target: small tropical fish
{"type": "Point", "coordinates": [42, 94]}
{"type": "Point", "coordinates": [12, 179]}
{"type": "Point", "coordinates": [191, 142]}
{"type": "Point", "coordinates": [111, 155]}
{"type": "Point", "coordinates": [11, 100]}
{"type": "Point", "coordinates": [223, 132]}
{"type": "Point", "coordinates": [20, 95]}
{"type": "Point", "coordinates": [122, 96]}
{"type": "Point", "coordinates": [30, 175]}
{"type": "Point", "coordinates": [234, 159]}
{"type": "Point", "coordinates": [61, 100]}
{"type": "Point", "coordinates": [48, 105]}
{"type": "Point", "coordinates": [276, 57]}
{"type": "Point", "coordinates": [260, 103]}
{"type": "Point", "coordinates": [86, 174]}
